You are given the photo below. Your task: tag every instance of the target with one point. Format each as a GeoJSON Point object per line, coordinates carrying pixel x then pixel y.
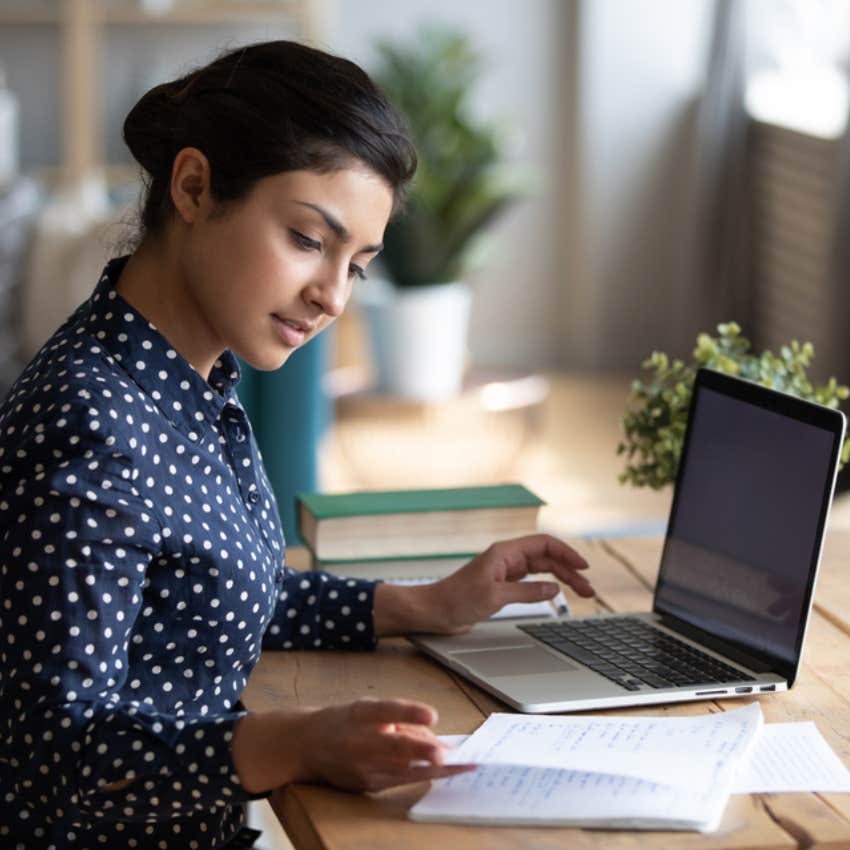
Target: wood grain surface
{"type": "Point", "coordinates": [623, 572]}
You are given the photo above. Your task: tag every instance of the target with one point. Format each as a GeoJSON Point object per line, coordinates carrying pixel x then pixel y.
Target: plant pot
{"type": "Point", "coordinates": [417, 337]}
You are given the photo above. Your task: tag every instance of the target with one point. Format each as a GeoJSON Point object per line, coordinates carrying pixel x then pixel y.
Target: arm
{"type": "Point", "coordinates": [317, 610]}
{"type": "Point", "coordinates": [74, 552]}
{"type": "Point", "coordinates": [364, 746]}
{"type": "Point", "coordinates": [481, 587]}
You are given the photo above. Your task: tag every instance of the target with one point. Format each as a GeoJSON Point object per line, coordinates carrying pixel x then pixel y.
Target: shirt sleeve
{"type": "Point", "coordinates": [78, 540]}
{"type": "Point", "coordinates": [319, 610]}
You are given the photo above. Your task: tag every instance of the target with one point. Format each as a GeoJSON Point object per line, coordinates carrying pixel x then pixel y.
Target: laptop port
{"type": "Point", "coordinates": [765, 688]}
{"type": "Point", "coordinates": [744, 690]}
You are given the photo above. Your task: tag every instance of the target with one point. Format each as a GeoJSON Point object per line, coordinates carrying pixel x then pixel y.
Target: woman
{"type": "Point", "coordinates": [142, 558]}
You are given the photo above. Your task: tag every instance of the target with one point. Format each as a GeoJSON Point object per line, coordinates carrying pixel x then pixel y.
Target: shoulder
{"type": "Point", "coordinates": [73, 397]}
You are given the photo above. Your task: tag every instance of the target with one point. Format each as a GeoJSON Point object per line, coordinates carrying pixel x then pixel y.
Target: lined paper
{"type": "Point", "coordinates": [791, 757]}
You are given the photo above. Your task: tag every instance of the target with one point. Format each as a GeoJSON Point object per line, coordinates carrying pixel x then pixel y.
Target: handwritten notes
{"type": "Point", "coordinates": [634, 772]}
{"type": "Point", "coordinates": [692, 751]}
{"type": "Point", "coordinates": [785, 757]}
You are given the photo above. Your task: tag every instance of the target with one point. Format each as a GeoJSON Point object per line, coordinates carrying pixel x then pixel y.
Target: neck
{"type": "Point", "coordinates": [154, 283]}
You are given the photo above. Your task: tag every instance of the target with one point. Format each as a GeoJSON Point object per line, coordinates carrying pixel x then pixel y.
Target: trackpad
{"type": "Point", "coordinates": [521, 661]}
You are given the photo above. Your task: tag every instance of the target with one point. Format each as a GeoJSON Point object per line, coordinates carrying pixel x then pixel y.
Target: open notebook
{"type": "Point", "coordinates": [612, 772]}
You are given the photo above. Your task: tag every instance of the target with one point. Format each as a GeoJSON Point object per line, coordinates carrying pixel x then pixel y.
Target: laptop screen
{"type": "Point", "coordinates": [743, 540]}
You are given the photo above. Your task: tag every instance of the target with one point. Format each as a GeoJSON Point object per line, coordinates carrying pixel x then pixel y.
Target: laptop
{"type": "Point", "coordinates": [736, 581]}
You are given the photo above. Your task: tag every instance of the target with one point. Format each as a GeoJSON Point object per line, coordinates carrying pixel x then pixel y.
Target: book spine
{"type": "Point", "coordinates": [390, 571]}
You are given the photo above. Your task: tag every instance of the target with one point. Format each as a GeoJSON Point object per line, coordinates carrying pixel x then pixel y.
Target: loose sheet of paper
{"type": "Point", "coordinates": [694, 752]}
{"type": "Point", "coordinates": [791, 757]}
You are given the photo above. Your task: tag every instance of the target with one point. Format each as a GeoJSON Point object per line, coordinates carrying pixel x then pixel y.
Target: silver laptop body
{"type": "Point", "coordinates": [736, 581]}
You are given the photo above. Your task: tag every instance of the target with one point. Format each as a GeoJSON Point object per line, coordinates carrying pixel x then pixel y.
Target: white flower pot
{"type": "Point", "coordinates": [418, 337]}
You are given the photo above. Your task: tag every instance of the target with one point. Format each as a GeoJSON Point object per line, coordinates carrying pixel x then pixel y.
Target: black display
{"type": "Point", "coordinates": [744, 533]}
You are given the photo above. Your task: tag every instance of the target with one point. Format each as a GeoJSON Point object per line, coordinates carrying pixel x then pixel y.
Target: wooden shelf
{"type": "Point", "coordinates": [30, 16]}
{"type": "Point", "coordinates": [205, 13]}
{"type": "Point", "coordinates": [81, 23]}
{"type": "Point", "coordinates": [186, 13]}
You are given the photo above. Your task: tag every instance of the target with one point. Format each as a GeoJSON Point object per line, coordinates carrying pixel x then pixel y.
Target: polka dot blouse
{"type": "Point", "coordinates": [141, 573]}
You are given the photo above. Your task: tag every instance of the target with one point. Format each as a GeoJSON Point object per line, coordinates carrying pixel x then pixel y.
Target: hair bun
{"type": "Point", "coordinates": [152, 128]}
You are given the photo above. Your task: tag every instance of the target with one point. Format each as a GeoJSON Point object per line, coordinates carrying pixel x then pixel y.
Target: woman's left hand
{"type": "Point", "coordinates": [480, 588]}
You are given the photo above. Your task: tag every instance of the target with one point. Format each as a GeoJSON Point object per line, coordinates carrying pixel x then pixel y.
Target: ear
{"type": "Point", "coordinates": [190, 185]}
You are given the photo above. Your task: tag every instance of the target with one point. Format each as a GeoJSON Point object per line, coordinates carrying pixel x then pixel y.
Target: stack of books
{"type": "Point", "coordinates": [411, 534]}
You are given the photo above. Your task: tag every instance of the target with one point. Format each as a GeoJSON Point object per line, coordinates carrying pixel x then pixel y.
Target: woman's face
{"type": "Point", "coordinates": [278, 267]}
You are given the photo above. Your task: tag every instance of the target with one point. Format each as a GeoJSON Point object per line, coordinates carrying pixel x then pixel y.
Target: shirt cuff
{"type": "Point", "coordinates": [317, 610]}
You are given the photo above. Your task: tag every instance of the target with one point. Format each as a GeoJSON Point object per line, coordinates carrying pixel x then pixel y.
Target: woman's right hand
{"type": "Point", "coordinates": [365, 745]}
{"type": "Point", "coordinates": [372, 744]}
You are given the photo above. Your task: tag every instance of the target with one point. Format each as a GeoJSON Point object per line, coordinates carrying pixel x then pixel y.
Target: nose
{"type": "Point", "coordinates": [329, 291]}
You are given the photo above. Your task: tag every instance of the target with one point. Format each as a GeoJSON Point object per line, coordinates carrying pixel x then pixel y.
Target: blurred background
{"type": "Point", "coordinates": [648, 168]}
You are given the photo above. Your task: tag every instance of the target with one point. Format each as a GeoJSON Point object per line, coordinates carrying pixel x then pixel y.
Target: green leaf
{"type": "Point", "coordinates": [654, 428]}
{"type": "Point", "coordinates": [462, 184]}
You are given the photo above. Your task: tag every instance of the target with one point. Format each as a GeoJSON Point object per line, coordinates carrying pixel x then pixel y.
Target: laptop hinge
{"type": "Point", "coordinates": [731, 651]}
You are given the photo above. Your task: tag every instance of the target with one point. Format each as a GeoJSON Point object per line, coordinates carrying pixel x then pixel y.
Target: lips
{"type": "Point", "coordinates": [306, 327]}
{"type": "Point", "coordinates": [291, 331]}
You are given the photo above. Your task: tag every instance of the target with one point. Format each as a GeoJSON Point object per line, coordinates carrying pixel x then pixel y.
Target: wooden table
{"type": "Point", "coordinates": [320, 818]}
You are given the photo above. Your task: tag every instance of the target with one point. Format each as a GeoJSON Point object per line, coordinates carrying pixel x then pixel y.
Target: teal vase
{"type": "Point", "coordinates": [289, 413]}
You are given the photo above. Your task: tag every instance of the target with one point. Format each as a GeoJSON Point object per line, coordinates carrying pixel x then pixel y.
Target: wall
{"type": "Point", "coordinates": [638, 72]}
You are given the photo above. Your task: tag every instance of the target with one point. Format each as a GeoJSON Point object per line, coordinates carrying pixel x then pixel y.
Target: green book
{"type": "Point", "coordinates": [403, 523]}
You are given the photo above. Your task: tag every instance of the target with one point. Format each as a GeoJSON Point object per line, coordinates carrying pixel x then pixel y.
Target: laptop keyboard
{"type": "Point", "coordinates": [634, 654]}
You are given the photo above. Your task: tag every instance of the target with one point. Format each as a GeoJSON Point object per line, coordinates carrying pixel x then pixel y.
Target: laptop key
{"type": "Point", "coordinates": [655, 681]}
{"type": "Point", "coordinates": [576, 652]}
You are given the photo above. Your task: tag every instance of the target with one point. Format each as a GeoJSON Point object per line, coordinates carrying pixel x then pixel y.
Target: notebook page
{"type": "Point", "coordinates": [694, 752]}
{"type": "Point", "coordinates": [530, 796]}
{"type": "Point", "coordinates": [785, 757]}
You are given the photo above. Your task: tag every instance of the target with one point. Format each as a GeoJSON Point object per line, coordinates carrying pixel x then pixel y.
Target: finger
{"type": "Point", "coordinates": [401, 750]}
{"type": "Point", "coordinates": [526, 591]}
{"type": "Point", "coordinates": [420, 773]}
{"type": "Point", "coordinates": [421, 732]}
{"type": "Point", "coordinates": [393, 711]}
{"type": "Point", "coordinates": [578, 582]}
{"type": "Point", "coordinates": [520, 551]}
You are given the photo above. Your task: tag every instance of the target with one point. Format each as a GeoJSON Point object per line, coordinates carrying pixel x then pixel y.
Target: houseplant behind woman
{"type": "Point", "coordinates": [141, 557]}
{"type": "Point", "coordinates": [417, 320]}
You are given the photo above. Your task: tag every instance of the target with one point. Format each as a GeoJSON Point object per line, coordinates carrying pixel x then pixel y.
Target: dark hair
{"type": "Point", "coordinates": [264, 109]}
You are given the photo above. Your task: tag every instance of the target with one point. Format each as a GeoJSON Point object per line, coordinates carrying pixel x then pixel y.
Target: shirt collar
{"type": "Point", "coordinates": [175, 386]}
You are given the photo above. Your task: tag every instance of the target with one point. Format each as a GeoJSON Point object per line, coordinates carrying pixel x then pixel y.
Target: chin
{"type": "Point", "coordinates": [265, 361]}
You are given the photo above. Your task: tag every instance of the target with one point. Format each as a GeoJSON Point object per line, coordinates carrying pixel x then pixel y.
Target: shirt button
{"type": "Point", "coordinates": [240, 435]}
{"type": "Point", "coordinates": [253, 497]}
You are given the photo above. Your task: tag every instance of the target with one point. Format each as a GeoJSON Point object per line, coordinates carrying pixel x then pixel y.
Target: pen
{"type": "Point", "coordinates": [562, 607]}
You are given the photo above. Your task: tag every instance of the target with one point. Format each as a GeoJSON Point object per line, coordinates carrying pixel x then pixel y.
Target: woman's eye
{"type": "Point", "coordinates": [356, 271]}
{"type": "Point", "coordinates": [305, 241]}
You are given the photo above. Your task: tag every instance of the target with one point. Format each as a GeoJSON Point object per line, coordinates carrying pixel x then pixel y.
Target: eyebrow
{"type": "Point", "coordinates": [339, 228]}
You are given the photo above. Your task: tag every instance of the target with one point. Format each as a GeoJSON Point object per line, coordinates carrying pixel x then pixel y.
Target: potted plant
{"type": "Point", "coordinates": [417, 318]}
{"type": "Point", "coordinates": [655, 428]}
